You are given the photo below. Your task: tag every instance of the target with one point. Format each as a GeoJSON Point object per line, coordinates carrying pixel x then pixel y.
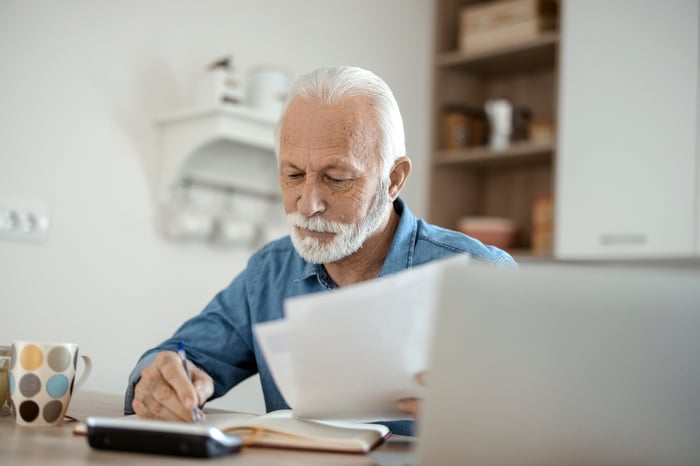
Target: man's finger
{"type": "Point", "coordinates": [164, 390]}
{"type": "Point", "coordinates": [170, 367]}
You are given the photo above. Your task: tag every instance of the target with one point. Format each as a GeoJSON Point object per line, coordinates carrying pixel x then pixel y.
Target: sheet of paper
{"type": "Point", "coordinates": [274, 340]}
{"type": "Point", "coordinates": [353, 352]}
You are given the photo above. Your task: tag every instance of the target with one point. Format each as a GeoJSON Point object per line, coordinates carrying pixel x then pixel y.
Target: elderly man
{"type": "Point", "coordinates": [342, 164]}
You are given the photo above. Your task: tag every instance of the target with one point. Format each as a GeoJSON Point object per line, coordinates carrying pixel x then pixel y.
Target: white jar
{"type": "Point", "coordinates": [500, 114]}
{"type": "Point", "coordinates": [267, 89]}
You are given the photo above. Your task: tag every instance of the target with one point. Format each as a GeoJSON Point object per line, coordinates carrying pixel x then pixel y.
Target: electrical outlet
{"type": "Point", "coordinates": [24, 223]}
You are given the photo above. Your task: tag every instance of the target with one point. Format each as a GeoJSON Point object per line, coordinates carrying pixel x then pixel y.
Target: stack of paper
{"type": "Point", "coordinates": [352, 353]}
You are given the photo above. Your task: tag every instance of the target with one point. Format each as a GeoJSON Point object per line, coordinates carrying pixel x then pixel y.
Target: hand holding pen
{"type": "Point", "coordinates": [170, 388]}
{"type": "Point", "coordinates": [197, 414]}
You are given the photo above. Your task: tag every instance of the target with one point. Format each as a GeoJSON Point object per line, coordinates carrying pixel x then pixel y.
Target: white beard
{"type": "Point", "coordinates": [348, 238]}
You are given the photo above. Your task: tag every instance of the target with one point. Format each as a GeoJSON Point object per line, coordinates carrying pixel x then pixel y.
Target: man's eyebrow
{"type": "Point", "coordinates": [289, 165]}
{"type": "Point", "coordinates": [335, 165]}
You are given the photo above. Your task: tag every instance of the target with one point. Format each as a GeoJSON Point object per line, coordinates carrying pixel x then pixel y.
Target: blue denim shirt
{"type": "Point", "coordinates": [220, 339]}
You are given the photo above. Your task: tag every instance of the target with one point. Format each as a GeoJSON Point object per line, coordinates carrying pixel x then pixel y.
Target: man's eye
{"type": "Point", "coordinates": [295, 176]}
{"type": "Point", "coordinates": [336, 180]}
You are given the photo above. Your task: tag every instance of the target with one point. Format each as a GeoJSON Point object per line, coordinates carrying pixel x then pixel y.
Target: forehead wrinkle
{"type": "Point", "coordinates": [346, 130]}
{"type": "Point", "coordinates": [321, 159]}
{"type": "Point", "coordinates": [330, 143]}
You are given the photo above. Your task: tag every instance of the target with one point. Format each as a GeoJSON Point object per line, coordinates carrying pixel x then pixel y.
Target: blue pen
{"type": "Point", "coordinates": [196, 412]}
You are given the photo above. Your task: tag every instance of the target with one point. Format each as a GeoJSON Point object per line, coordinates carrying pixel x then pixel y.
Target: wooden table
{"type": "Point", "coordinates": [58, 446]}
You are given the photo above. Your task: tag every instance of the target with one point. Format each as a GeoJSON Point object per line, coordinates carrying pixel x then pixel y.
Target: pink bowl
{"type": "Point", "coordinates": [496, 231]}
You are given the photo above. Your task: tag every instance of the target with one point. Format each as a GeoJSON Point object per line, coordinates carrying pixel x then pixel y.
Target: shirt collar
{"type": "Point", "coordinates": [400, 254]}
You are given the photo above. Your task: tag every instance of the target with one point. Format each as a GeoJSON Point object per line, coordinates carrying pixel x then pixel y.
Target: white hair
{"type": "Point", "coordinates": [332, 84]}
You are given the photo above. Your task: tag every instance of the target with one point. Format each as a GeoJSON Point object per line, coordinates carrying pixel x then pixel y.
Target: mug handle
{"type": "Point", "coordinates": [87, 369]}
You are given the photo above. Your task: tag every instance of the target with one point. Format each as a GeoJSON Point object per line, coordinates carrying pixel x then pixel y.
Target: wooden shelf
{"type": "Point", "coordinates": [537, 53]}
{"type": "Point", "coordinates": [478, 180]}
{"type": "Point", "coordinates": [517, 153]}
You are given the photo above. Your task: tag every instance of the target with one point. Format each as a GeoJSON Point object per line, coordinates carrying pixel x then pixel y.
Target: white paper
{"type": "Point", "coordinates": [352, 353]}
{"type": "Point", "coordinates": [273, 339]}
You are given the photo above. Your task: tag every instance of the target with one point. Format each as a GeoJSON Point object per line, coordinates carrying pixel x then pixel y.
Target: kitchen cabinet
{"type": "Point", "coordinates": [627, 161]}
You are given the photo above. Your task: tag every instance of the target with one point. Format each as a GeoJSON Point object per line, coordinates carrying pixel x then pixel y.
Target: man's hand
{"type": "Point", "coordinates": [165, 391]}
{"type": "Point", "coordinates": [412, 405]}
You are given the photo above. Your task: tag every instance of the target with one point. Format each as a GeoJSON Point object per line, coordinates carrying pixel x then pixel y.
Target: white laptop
{"type": "Point", "coordinates": [564, 365]}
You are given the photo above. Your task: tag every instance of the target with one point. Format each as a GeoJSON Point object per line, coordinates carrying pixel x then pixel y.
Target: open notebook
{"type": "Point", "coordinates": [278, 429]}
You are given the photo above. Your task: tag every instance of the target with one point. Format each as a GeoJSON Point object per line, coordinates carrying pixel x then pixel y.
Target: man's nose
{"type": "Point", "coordinates": [311, 199]}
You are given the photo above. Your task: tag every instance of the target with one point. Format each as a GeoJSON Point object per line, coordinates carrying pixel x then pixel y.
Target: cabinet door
{"type": "Point", "coordinates": [626, 167]}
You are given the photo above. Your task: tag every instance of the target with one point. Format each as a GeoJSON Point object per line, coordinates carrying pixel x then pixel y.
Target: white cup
{"type": "Point", "coordinates": [232, 231]}
{"type": "Point", "coordinates": [185, 222]}
{"type": "Point", "coordinates": [267, 90]}
{"type": "Point", "coordinates": [42, 380]}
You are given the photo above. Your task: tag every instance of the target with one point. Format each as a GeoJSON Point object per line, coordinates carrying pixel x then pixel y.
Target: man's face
{"type": "Point", "coordinates": [330, 174]}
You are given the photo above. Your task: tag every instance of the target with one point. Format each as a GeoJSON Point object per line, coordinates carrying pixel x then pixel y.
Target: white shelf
{"type": "Point", "coordinates": [183, 134]}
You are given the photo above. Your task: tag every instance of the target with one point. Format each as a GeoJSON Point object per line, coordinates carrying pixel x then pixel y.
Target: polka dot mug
{"type": "Point", "coordinates": [42, 380]}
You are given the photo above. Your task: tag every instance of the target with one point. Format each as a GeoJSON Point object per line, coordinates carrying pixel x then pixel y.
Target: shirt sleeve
{"type": "Point", "coordinates": [145, 361]}
{"type": "Point", "coordinates": [218, 340]}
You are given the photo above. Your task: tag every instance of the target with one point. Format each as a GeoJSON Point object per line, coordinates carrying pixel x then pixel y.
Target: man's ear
{"type": "Point", "coordinates": [398, 176]}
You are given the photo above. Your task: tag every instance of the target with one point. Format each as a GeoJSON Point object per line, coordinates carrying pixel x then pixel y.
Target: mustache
{"type": "Point", "coordinates": [315, 223]}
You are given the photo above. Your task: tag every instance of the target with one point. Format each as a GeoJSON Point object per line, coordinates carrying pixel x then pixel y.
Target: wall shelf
{"type": "Point", "coordinates": [185, 134]}
{"type": "Point", "coordinates": [229, 189]}
{"type": "Point", "coordinates": [217, 176]}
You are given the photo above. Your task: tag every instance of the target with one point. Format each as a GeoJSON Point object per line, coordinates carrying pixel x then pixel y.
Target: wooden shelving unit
{"type": "Point", "coordinates": [537, 52]}
{"type": "Point", "coordinates": [520, 153]}
{"type": "Point", "coordinates": [475, 180]}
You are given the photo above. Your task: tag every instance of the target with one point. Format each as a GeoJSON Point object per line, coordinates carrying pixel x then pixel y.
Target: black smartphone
{"type": "Point", "coordinates": [159, 437]}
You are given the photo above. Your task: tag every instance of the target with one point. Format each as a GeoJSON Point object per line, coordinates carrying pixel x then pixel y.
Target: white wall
{"type": "Point", "coordinates": [81, 82]}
